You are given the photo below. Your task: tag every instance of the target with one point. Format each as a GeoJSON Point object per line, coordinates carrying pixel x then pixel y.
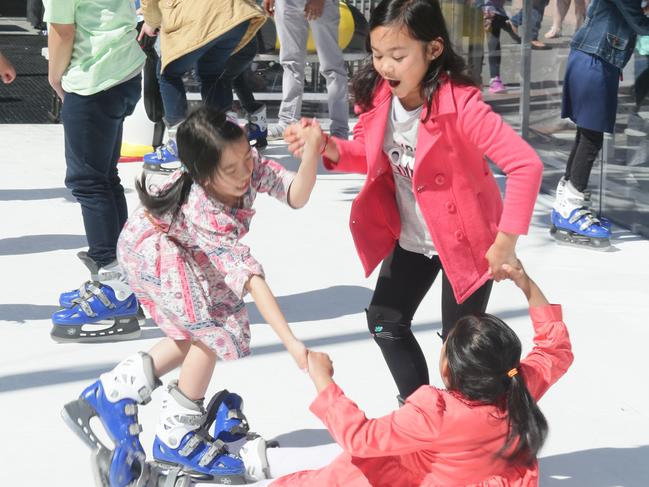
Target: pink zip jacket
{"type": "Point", "coordinates": [453, 185]}
{"type": "Point", "coordinates": [438, 438]}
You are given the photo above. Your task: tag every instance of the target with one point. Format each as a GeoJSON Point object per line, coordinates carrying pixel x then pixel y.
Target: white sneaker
{"type": "Point", "coordinates": [275, 131]}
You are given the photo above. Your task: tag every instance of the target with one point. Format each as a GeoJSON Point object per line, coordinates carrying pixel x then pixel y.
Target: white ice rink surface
{"type": "Point", "coordinates": [598, 413]}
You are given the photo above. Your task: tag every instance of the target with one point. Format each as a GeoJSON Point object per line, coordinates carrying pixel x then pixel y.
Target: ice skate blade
{"type": "Point", "coordinates": [570, 239]}
{"type": "Point", "coordinates": [178, 474]}
{"type": "Point", "coordinates": [77, 415]}
{"type": "Point", "coordinates": [122, 329]}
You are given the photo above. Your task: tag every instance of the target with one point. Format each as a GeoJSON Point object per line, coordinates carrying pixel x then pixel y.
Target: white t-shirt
{"type": "Point", "coordinates": [400, 146]}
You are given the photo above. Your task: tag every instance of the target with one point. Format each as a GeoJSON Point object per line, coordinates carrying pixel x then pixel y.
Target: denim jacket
{"type": "Point", "coordinates": [610, 30]}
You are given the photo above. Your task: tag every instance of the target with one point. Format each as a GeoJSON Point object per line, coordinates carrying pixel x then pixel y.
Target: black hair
{"type": "Point", "coordinates": [481, 349]}
{"type": "Point", "coordinates": [424, 21]}
{"type": "Point", "coordinates": [200, 139]}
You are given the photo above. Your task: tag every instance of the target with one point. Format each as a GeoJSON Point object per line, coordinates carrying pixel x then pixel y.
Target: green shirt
{"type": "Point", "coordinates": [105, 50]}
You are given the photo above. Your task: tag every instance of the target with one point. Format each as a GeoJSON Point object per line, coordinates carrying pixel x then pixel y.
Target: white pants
{"type": "Point", "coordinates": [292, 30]}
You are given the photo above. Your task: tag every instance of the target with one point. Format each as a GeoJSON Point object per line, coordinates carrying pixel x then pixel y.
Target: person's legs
{"type": "Point", "coordinates": [196, 371]}
{"type": "Point", "coordinates": [404, 279]}
{"type": "Point", "coordinates": [560, 11]}
{"type": "Point", "coordinates": [580, 12]}
{"type": "Point", "coordinates": [641, 86]}
{"type": "Point", "coordinates": [93, 128]}
{"type": "Point", "coordinates": [332, 67]}
{"type": "Point", "coordinates": [172, 88]}
{"type": "Point", "coordinates": [493, 45]}
{"type": "Point", "coordinates": [211, 63]}
{"type": "Point", "coordinates": [452, 311]}
{"type": "Point", "coordinates": [292, 31]}
{"type": "Point", "coordinates": [590, 143]}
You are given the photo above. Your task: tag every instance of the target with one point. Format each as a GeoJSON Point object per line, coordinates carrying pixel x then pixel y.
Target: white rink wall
{"type": "Point", "coordinates": [598, 413]}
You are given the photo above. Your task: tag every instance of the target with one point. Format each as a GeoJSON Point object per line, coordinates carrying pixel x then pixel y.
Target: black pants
{"type": "Point", "coordinates": [234, 76]}
{"type": "Point", "coordinates": [493, 44]}
{"type": "Point", "coordinates": [93, 139]}
{"type": "Point", "coordinates": [584, 152]}
{"type": "Point", "coordinates": [404, 279]}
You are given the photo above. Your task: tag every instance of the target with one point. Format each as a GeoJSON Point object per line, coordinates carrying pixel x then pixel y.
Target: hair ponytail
{"type": "Point", "coordinates": [167, 201]}
{"type": "Point", "coordinates": [480, 350]}
{"type": "Point", "coordinates": [528, 428]}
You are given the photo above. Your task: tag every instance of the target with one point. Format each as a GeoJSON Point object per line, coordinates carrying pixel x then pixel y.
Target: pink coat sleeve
{"type": "Point", "coordinates": [500, 144]}
{"type": "Point", "coordinates": [411, 428]}
{"type": "Point", "coordinates": [352, 153]}
{"type": "Point", "coordinates": [552, 353]}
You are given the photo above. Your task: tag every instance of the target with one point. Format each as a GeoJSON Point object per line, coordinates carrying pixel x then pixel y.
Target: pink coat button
{"type": "Point", "coordinates": [459, 234]}
{"type": "Point", "coordinates": [440, 179]}
{"type": "Point", "coordinates": [450, 206]}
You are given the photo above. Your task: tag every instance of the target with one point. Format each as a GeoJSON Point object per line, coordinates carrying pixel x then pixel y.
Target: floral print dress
{"type": "Point", "coordinates": [189, 269]}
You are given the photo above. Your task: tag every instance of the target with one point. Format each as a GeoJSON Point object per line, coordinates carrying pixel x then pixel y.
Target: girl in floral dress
{"type": "Point", "coordinates": [183, 257]}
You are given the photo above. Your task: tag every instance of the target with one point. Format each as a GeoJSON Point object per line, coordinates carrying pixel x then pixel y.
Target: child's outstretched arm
{"type": "Point", "coordinates": [269, 309]}
{"type": "Point", "coordinates": [302, 185]}
{"type": "Point", "coordinates": [411, 428]}
{"type": "Point", "coordinates": [552, 353]}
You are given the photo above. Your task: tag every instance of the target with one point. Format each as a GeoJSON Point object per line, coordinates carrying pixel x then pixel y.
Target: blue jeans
{"type": "Point", "coordinates": [93, 139]}
{"type": "Point", "coordinates": [538, 9]}
{"type": "Point", "coordinates": [209, 61]}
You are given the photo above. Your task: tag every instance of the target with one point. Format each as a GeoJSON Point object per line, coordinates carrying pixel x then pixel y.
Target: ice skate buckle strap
{"type": "Point", "coordinates": [589, 218]}
{"type": "Point", "coordinates": [96, 291]}
{"type": "Point", "coordinates": [191, 445]}
{"type": "Point", "coordinates": [216, 448]}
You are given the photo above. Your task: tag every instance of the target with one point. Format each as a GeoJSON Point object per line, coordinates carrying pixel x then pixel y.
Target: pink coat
{"type": "Point", "coordinates": [437, 438]}
{"type": "Point", "coordinates": [453, 185]}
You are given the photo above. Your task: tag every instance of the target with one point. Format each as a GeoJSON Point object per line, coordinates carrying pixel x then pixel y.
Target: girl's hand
{"type": "Point", "coordinates": [299, 353]}
{"type": "Point", "coordinates": [148, 30]}
{"type": "Point", "coordinates": [503, 251]}
{"type": "Point", "coordinates": [313, 137]}
{"type": "Point", "coordinates": [321, 369]}
{"type": "Point", "coordinates": [294, 136]}
{"type": "Point", "coordinates": [518, 276]}
{"type": "Point", "coordinates": [533, 293]}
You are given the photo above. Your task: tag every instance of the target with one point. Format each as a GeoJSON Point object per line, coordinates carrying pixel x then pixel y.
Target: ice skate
{"type": "Point", "coordinates": [102, 309]}
{"type": "Point", "coordinates": [257, 128]}
{"type": "Point", "coordinates": [183, 449]}
{"type": "Point", "coordinates": [119, 459]}
{"type": "Point", "coordinates": [573, 222]}
{"type": "Point", "coordinates": [164, 159]}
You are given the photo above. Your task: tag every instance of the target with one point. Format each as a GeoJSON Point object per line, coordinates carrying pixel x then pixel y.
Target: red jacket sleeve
{"type": "Point", "coordinates": [552, 353]}
{"type": "Point", "coordinates": [411, 428]}
{"type": "Point", "coordinates": [500, 144]}
{"type": "Point", "coordinates": [352, 153]}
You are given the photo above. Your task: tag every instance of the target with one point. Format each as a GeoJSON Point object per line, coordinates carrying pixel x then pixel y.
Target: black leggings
{"type": "Point", "coordinates": [584, 152]}
{"type": "Point", "coordinates": [404, 279]}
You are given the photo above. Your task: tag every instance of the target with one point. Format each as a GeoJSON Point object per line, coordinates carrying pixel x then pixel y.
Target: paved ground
{"type": "Point", "coordinates": [598, 413]}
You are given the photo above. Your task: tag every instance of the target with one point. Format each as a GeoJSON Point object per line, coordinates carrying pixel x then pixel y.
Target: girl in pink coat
{"type": "Point", "coordinates": [483, 430]}
{"type": "Point", "coordinates": [430, 202]}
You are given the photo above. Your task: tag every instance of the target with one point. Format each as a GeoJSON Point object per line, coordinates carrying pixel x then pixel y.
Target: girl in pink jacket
{"type": "Point", "coordinates": [483, 430]}
{"type": "Point", "coordinates": [430, 203]}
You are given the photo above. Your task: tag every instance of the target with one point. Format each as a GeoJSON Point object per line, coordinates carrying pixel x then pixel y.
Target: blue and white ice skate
{"type": "Point", "coordinates": [107, 311]}
{"type": "Point", "coordinates": [164, 159]}
{"type": "Point", "coordinates": [231, 426]}
{"type": "Point", "coordinates": [581, 228]}
{"type": "Point", "coordinates": [573, 223]}
{"type": "Point", "coordinates": [183, 447]}
{"type": "Point", "coordinates": [114, 399]}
